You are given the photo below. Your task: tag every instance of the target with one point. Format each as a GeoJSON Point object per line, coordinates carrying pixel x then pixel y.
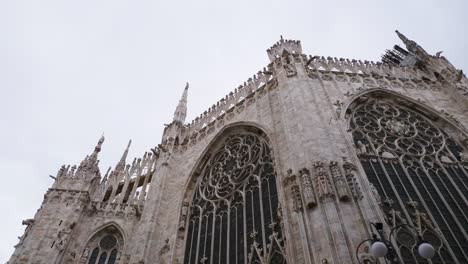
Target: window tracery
{"type": "Point", "coordinates": [233, 214]}
{"type": "Point", "coordinates": [417, 170]}
{"type": "Point", "coordinates": [105, 247]}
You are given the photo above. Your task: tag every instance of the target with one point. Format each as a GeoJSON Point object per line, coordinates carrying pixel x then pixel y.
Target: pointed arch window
{"type": "Point", "coordinates": [233, 214]}
{"type": "Point", "coordinates": [419, 174]}
{"type": "Point", "coordinates": [106, 246]}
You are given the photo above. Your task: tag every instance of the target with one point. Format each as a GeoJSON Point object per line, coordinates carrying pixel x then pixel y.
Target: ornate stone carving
{"type": "Point", "coordinates": [340, 183]}
{"type": "Point", "coordinates": [375, 193]}
{"type": "Point", "coordinates": [366, 257]}
{"type": "Point", "coordinates": [361, 147]}
{"type": "Point", "coordinates": [350, 176]}
{"type": "Point", "coordinates": [338, 105]}
{"type": "Point", "coordinates": [464, 157]}
{"type": "Point", "coordinates": [183, 215]}
{"type": "Point", "coordinates": [290, 178]}
{"type": "Point", "coordinates": [85, 255]}
{"type": "Point", "coordinates": [322, 182]}
{"type": "Point", "coordinates": [307, 188]}
{"type": "Point", "coordinates": [397, 127]}
{"type": "Point", "coordinates": [290, 69]}
{"type": "Point", "coordinates": [62, 236]}
{"type": "Point", "coordinates": [297, 200]}
{"type": "Point", "coordinates": [165, 248]}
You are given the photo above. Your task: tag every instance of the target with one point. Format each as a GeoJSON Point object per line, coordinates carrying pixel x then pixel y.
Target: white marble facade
{"type": "Point", "coordinates": [300, 103]}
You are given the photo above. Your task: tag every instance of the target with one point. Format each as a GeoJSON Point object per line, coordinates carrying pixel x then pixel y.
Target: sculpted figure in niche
{"type": "Point", "coordinates": [322, 182]}
{"type": "Point", "coordinates": [183, 215]}
{"type": "Point", "coordinates": [350, 171]}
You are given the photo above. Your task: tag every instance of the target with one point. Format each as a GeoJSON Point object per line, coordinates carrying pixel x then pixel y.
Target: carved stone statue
{"type": "Point", "coordinates": [322, 182]}
{"type": "Point", "coordinates": [361, 147]}
{"type": "Point", "coordinates": [62, 237]}
{"type": "Point", "coordinates": [183, 215]}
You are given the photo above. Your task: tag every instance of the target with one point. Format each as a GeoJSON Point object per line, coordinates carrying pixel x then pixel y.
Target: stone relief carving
{"type": "Point", "coordinates": [307, 188]}
{"type": "Point", "coordinates": [340, 183]}
{"type": "Point", "coordinates": [322, 182]}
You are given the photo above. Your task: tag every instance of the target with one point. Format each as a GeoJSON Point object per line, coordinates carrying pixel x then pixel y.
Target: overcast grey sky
{"type": "Point", "coordinates": [70, 70]}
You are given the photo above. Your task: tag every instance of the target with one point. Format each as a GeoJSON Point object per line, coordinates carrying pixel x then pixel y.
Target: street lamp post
{"type": "Point", "coordinates": [382, 247]}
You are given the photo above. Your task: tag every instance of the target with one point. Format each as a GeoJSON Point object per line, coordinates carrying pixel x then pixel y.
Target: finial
{"type": "Point", "coordinates": [99, 144]}
{"type": "Point", "coordinates": [281, 37]}
{"type": "Point", "coordinates": [402, 37]}
{"type": "Point", "coordinates": [181, 110]}
{"type": "Point", "coordinates": [129, 143]}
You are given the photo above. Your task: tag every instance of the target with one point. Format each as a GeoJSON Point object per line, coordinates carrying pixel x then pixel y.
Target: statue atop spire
{"type": "Point", "coordinates": [181, 111]}
{"type": "Point", "coordinates": [412, 46]}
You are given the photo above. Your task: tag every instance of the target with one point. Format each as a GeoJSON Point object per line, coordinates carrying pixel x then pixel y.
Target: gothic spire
{"type": "Point", "coordinates": [181, 110]}
{"type": "Point", "coordinates": [412, 46]}
{"type": "Point", "coordinates": [402, 37]}
{"type": "Point", "coordinates": [121, 165]}
{"type": "Point", "coordinates": [89, 166]}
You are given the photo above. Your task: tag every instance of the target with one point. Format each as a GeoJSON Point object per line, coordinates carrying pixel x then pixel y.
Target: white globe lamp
{"type": "Point", "coordinates": [378, 249]}
{"type": "Point", "coordinates": [426, 250]}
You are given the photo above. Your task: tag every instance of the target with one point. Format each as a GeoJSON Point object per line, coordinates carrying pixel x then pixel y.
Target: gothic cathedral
{"type": "Point", "coordinates": [311, 160]}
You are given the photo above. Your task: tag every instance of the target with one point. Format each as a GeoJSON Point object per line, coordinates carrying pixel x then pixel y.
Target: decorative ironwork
{"type": "Point", "coordinates": [233, 215]}
{"type": "Point", "coordinates": [409, 158]}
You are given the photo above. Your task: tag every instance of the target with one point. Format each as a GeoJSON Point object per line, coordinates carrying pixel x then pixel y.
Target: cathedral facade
{"type": "Point", "coordinates": [308, 161]}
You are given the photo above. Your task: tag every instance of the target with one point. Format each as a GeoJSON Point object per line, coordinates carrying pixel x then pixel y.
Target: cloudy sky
{"type": "Point", "coordinates": [71, 70]}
